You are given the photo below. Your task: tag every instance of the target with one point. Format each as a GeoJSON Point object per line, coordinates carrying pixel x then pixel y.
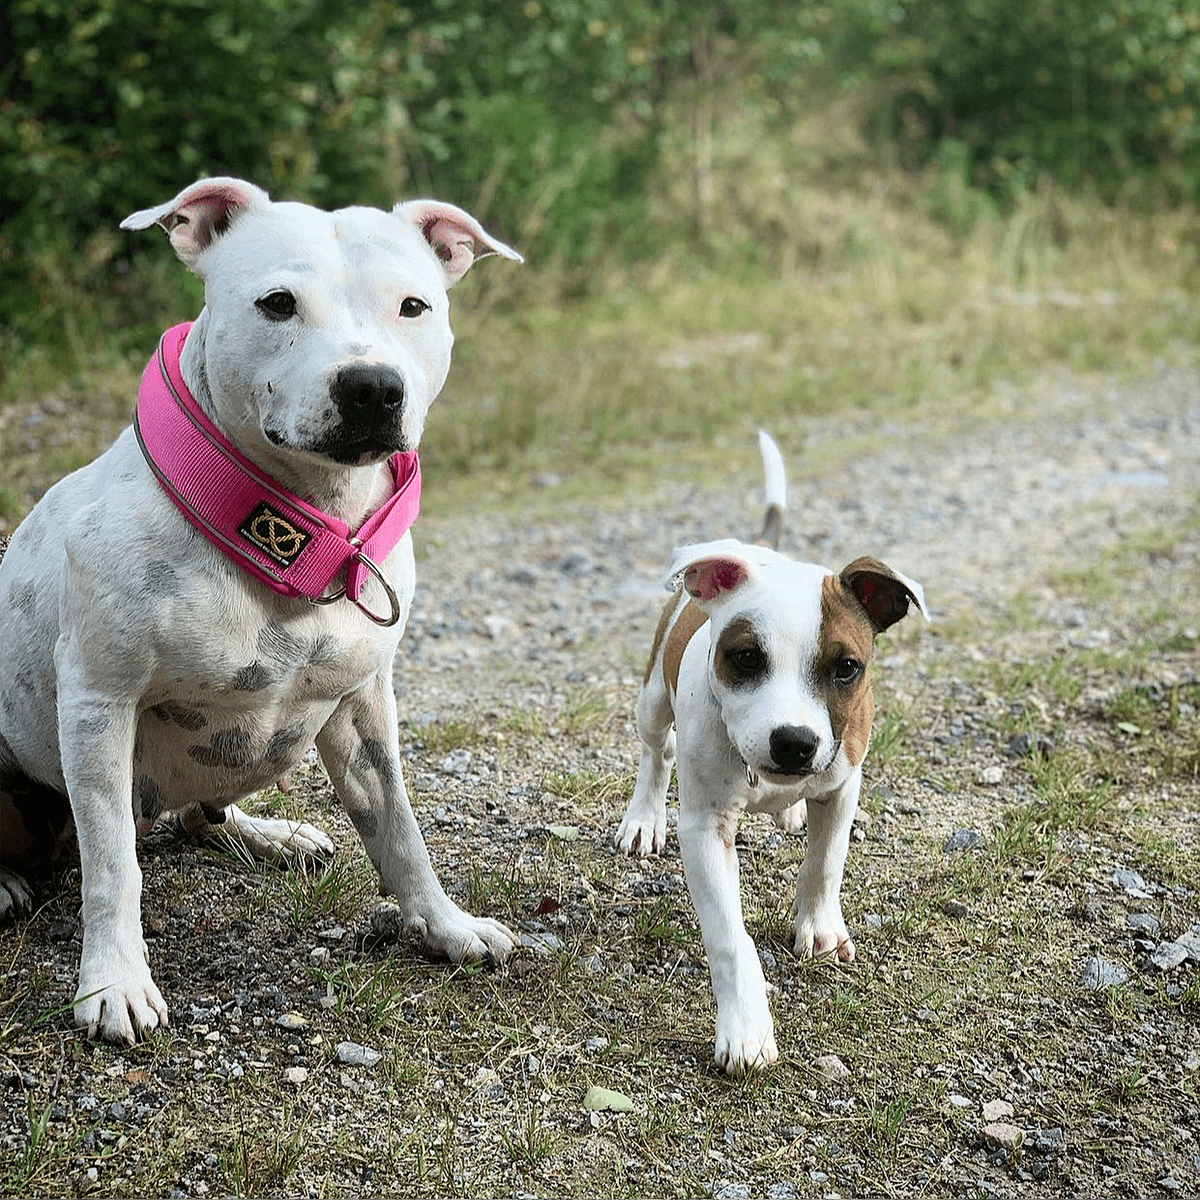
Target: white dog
{"type": "Point", "coordinates": [757, 691]}
{"type": "Point", "coordinates": [154, 659]}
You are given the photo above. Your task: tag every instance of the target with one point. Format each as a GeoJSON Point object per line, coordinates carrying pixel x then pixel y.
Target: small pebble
{"type": "Point", "coordinates": [354, 1055]}
{"type": "Point", "coordinates": [962, 839]}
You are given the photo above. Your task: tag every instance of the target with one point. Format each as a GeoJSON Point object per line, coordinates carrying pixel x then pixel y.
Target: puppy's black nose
{"type": "Point", "coordinates": [363, 389]}
{"type": "Point", "coordinates": [793, 747]}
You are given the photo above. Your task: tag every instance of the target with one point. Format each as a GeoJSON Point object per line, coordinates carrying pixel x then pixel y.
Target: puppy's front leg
{"type": "Point", "coordinates": [359, 746]}
{"type": "Point", "coordinates": [745, 1032]}
{"type": "Point", "coordinates": [117, 998]}
{"type": "Point", "coordinates": [643, 828]}
{"type": "Point", "coordinates": [817, 909]}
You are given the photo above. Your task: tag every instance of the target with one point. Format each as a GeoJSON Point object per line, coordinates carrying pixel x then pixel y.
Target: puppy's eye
{"type": "Point", "coordinates": [846, 670]}
{"type": "Point", "coordinates": [411, 306]}
{"type": "Point", "coordinates": [277, 306]}
{"type": "Point", "coordinates": [746, 661]}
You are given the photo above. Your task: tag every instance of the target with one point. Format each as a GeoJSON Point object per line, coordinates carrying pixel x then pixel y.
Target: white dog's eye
{"type": "Point", "coordinates": [411, 306]}
{"type": "Point", "coordinates": [846, 670]}
{"type": "Point", "coordinates": [277, 306]}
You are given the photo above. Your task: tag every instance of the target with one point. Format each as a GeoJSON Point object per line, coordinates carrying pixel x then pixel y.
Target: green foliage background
{"type": "Point", "coordinates": [549, 118]}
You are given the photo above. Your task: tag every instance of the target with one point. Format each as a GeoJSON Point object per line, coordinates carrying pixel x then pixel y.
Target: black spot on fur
{"type": "Point", "coordinates": [373, 754]}
{"type": "Point", "coordinates": [253, 678]}
{"type": "Point", "coordinates": [282, 743]}
{"type": "Point", "coordinates": [26, 679]}
{"type": "Point", "coordinates": [23, 597]}
{"type": "Point", "coordinates": [147, 799]}
{"type": "Point", "coordinates": [180, 714]}
{"type": "Point", "coordinates": [91, 726]}
{"type": "Point", "coordinates": [161, 578]}
{"type": "Point", "coordinates": [229, 748]}
{"type": "Point", "coordinates": [275, 643]}
{"type": "Point", "coordinates": [365, 821]}
{"type": "Point", "coordinates": [324, 649]}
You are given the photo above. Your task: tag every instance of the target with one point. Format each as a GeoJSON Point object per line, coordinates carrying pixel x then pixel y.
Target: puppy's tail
{"type": "Point", "coordinates": [775, 489]}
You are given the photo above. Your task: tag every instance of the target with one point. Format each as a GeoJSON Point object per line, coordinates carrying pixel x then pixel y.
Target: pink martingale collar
{"type": "Point", "coordinates": [285, 543]}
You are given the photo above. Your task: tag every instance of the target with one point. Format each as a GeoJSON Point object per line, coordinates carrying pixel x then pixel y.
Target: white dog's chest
{"type": "Point", "coordinates": [218, 725]}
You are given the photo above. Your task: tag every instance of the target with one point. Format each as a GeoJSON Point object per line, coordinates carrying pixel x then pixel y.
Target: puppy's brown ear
{"type": "Point", "coordinates": [884, 594]}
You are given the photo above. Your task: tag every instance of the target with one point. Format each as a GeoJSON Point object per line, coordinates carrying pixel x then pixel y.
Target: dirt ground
{"type": "Point", "coordinates": [1022, 1017]}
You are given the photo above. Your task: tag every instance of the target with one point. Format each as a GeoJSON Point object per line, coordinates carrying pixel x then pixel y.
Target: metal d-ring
{"type": "Point", "coordinates": [393, 599]}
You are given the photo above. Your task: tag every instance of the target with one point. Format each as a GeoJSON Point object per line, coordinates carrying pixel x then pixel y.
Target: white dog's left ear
{"type": "Point", "coordinates": [453, 234]}
{"type": "Point", "coordinates": [884, 593]}
{"type": "Point", "coordinates": [199, 214]}
{"type": "Point", "coordinates": [710, 570]}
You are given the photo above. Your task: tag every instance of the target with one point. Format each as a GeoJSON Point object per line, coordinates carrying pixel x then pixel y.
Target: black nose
{"type": "Point", "coordinates": [793, 747]}
{"type": "Point", "coordinates": [361, 390]}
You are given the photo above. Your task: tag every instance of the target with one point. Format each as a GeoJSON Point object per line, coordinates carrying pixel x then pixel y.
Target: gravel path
{"type": "Point", "coordinates": [520, 618]}
{"type": "Point", "coordinates": [974, 517]}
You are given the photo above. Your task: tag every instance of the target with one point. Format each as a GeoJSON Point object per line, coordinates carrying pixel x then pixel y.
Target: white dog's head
{"type": "Point", "coordinates": [324, 334]}
{"type": "Point", "coordinates": [790, 644]}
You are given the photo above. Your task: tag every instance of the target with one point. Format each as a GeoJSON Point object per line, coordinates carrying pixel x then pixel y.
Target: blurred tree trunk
{"type": "Point", "coordinates": [702, 131]}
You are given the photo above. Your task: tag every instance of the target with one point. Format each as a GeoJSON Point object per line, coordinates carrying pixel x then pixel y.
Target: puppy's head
{"type": "Point", "coordinates": [324, 334]}
{"type": "Point", "coordinates": [789, 651]}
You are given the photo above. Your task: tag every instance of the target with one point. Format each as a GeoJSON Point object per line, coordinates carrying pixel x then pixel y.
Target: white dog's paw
{"type": "Point", "coordinates": [271, 839]}
{"type": "Point", "coordinates": [792, 820]}
{"type": "Point", "coordinates": [745, 1040]}
{"type": "Point", "coordinates": [15, 896]}
{"type": "Point", "coordinates": [449, 932]}
{"type": "Point", "coordinates": [118, 1000]}
{"type": "Point", "coordinates": [641, 834]}
{"type": "Point", "coordinates": [821, 931]}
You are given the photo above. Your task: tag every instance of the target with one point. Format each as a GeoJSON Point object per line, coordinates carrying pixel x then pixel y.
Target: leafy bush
{"type": "Point", "coordinates": [1091, 92]}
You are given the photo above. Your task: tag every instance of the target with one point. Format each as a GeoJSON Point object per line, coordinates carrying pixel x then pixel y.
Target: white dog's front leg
{"type": "Point", "coordinates": [117, 997]}
{"type": "Point", "coordinates": [359, 746]}
{"type": "Point", "coordinates": [745, 1032]}
{"type": "Point", "coordinates": [817, 909]}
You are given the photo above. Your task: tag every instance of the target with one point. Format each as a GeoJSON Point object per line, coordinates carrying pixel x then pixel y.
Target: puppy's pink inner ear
{"type": "Point", "coordinates": [713, 577]}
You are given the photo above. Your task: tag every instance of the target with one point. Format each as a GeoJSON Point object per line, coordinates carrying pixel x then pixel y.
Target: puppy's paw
{"type": "Point", "coordinates": [640, 834]}
{"type": "Point", "coordinates": [449, 932]}
{"type": "Point", "coordinates": [745, 1041]}
{"type": "Point", "coordinates": [118, 1001]}
{"type": "Point", "coordinates": [792, 820]}
{"type": "Point", "coordinates": [15, 896]}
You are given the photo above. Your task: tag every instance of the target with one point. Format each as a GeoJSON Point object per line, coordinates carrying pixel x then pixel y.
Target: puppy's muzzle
{"type": "Point", "coordinates": [793, 747]}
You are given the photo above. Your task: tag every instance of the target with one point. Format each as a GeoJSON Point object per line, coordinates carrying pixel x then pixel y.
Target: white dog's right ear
{"type": "Point", "coordinates": [199, 213]}
{"type": "Point", "coordinates": [710, 570]}
{"type": "Point", "coordinates": [455, 236]}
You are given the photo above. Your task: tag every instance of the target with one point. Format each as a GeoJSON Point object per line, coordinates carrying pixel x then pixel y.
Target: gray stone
{"type": "Point", "coordinates": [962, 839]}
{"type": "Point", "coordinates": [1131, 883]}
{"type": "Point", "coordinates": [731, 1191]}
{"type": "Point", "coordinates": [1169, 955]}
{"type": "Point", "coordinates": [1098, 973]}
{"type": "Point", "coordinates": [1045, 1141]}
{"type": "Point", "coordinates": [1142, 922]}
{"type": "Point", "coordinates": [354, 1055]}
{"type": "Point", "coordinates": [829, 1069]}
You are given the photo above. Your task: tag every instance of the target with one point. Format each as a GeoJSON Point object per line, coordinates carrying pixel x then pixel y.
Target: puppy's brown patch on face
{"type": "Point", "coordinates": [740, 659]}
{"type": "Point", "coordinates": [843, 653]}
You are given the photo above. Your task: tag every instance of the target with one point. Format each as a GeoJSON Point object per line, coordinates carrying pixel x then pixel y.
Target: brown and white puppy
{"type": "Point", "coordinates": [757, 692]}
